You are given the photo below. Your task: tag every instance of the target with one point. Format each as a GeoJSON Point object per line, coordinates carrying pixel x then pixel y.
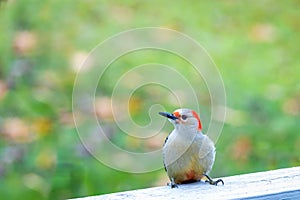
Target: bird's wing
{"type": "Point", "coordinates": [164, 144]}
{"type": "Point", "coordinates": [166, 139]}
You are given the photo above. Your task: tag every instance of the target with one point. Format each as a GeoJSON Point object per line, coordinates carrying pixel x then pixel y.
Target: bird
{"type": "Point", "coordinates": [188, 154]}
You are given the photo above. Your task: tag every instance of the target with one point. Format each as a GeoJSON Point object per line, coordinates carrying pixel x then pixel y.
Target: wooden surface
{"type": "Point", "coordinates": [275, 184]}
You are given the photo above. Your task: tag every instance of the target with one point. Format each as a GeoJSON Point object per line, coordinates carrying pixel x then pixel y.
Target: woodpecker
{"type": "Point", "coordinates": [188, 154]}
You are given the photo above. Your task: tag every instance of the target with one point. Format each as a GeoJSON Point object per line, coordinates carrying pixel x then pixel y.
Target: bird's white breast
{"type": "Point", "coordinates": [184, 152]}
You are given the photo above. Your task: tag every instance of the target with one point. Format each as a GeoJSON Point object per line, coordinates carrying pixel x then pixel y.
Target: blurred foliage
{"type": "Point", "coordinates": [255, 45]}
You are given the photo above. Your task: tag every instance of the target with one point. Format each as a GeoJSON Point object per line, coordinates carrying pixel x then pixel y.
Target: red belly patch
{"type": "Point", "coordinates": [191, 175]}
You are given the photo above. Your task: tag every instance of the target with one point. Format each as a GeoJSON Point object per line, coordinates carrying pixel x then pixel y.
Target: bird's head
{"type": "Point", "coordinates": [184, 118]}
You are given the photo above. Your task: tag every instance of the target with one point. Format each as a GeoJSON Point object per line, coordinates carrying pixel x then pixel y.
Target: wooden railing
{"type": "Point", "coordinates": [275, 184]}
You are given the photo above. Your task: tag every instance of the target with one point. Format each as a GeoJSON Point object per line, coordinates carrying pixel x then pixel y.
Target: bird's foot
{"type": "Point", "coordinates": [172, 184]}
{"type": "Point", "coordinates": [212, 182]}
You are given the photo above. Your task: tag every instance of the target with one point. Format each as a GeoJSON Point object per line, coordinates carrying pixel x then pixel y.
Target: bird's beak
{"type": "Point", "coordinates": [168, 115]}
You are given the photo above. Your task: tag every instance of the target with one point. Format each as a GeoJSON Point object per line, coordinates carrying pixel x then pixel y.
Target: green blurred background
{"type": "Point", "coordinates": [254, 44]}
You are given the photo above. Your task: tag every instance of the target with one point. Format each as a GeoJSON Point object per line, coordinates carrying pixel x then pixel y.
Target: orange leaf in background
{"type": "Point", "coordinates": [103, 108]}
{"type": "Point", "coordinates": [242, 148]}
{"type": "Point", "coordinates": [66, 118]}
{"type": "Point", "coordinates": [291, 106]}
{"type": "Point", "coordinates": [262, 33]}
{"type": "Point", "coordinates": [24, 42]}
{"type": "Point", "coordinates": [17, 130]}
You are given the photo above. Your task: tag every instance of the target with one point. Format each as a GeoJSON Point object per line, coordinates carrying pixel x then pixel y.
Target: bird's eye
{"type": "Point", "coordinates": [184, 117]}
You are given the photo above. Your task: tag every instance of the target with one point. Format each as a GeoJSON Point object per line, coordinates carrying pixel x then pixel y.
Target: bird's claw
{"type": "Point", "coordinates": [215, 182]}
{"type": "Point", "coordinates": [172, 184]}
{"type": "Point", "coordinates": [212, 182]}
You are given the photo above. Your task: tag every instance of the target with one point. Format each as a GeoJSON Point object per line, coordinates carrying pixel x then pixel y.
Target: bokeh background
{"type": "Point", "coordinates": [42, 44]}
